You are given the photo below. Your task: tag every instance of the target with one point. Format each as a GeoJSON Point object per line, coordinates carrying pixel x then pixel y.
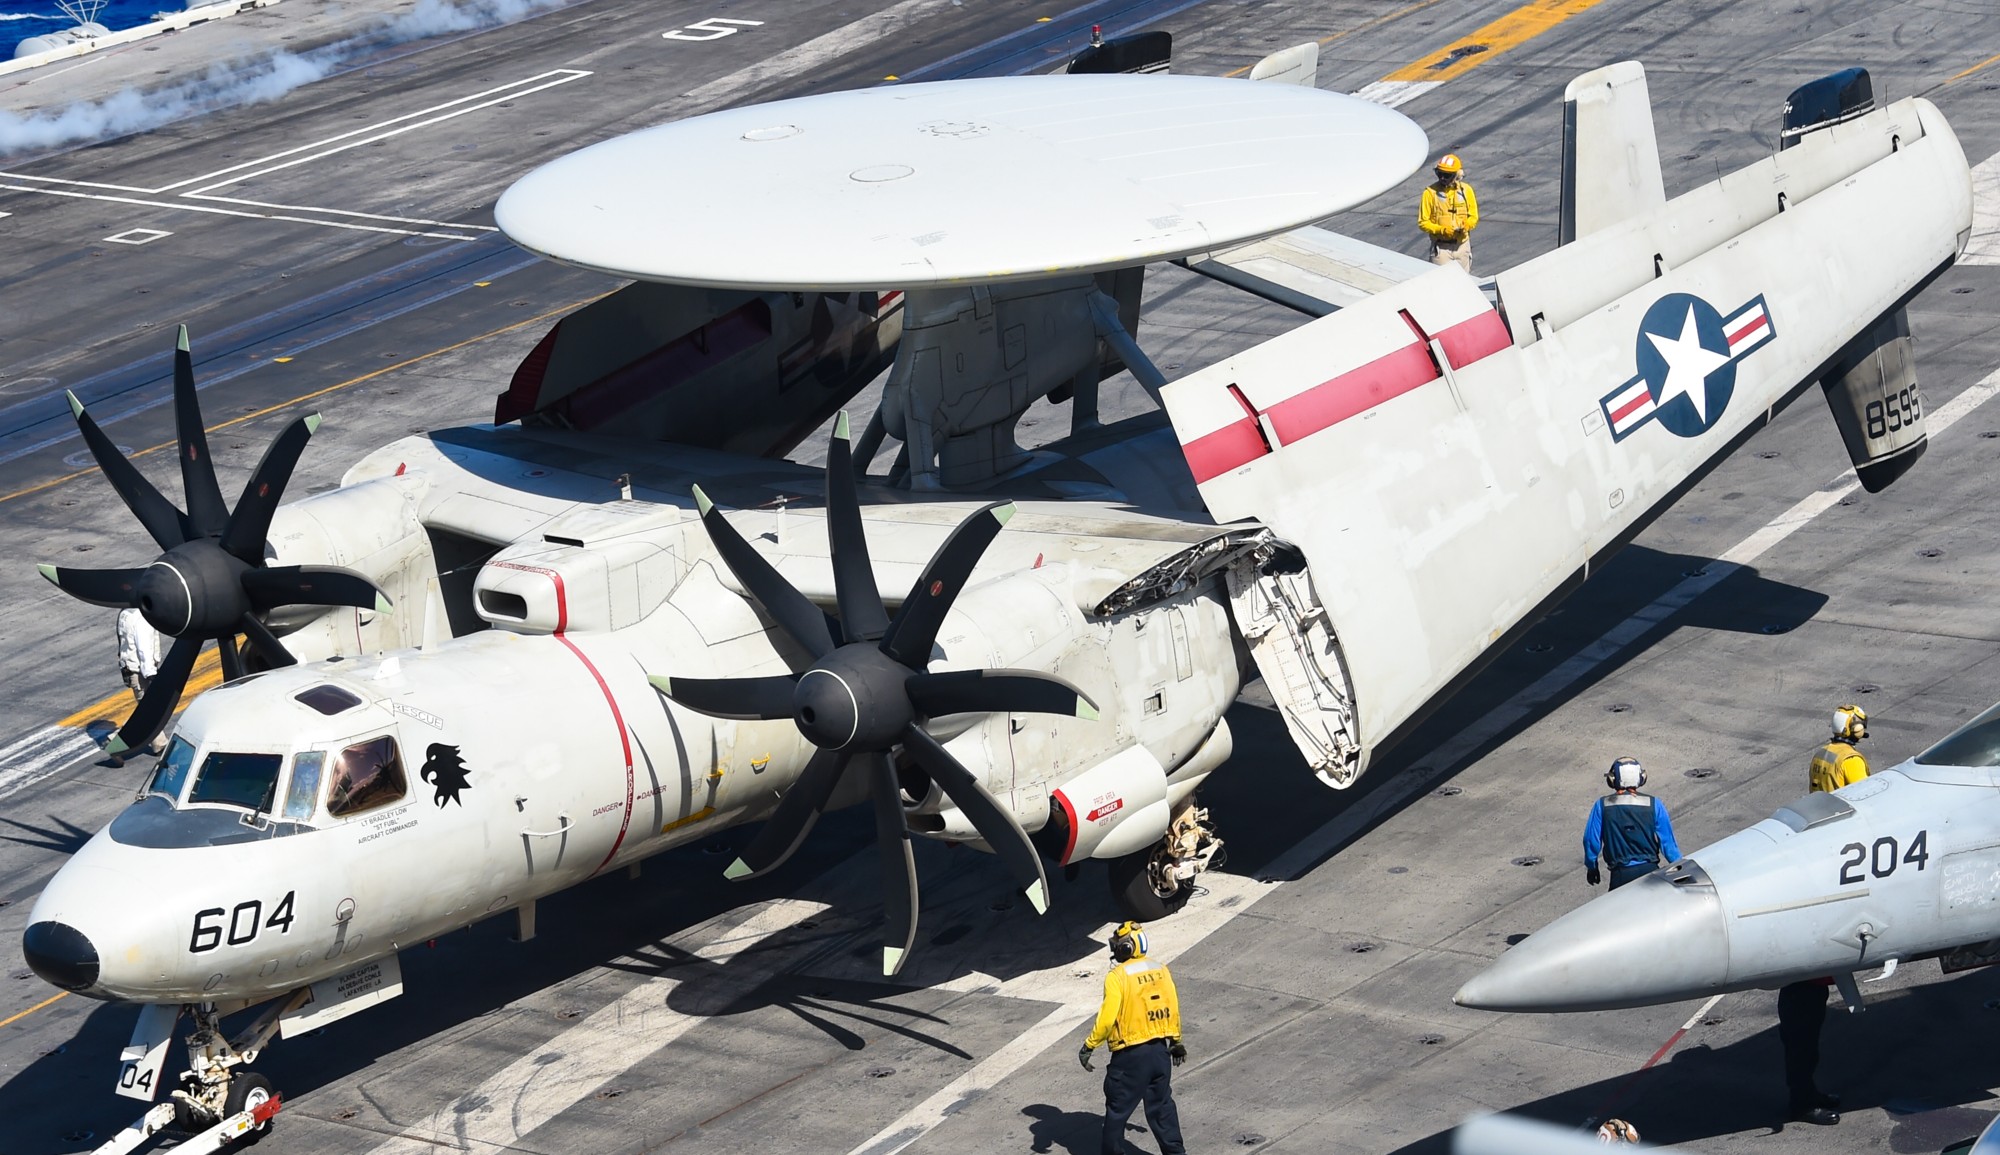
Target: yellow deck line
{"type": "Point", "coordinates": [117, 707]}
{"type": "Point", "coordinates": [31, 1010]}
{"type": "Point", "coordinates": [1386, 18]}
{"type": "Point", "coordinates": [1510, 31]}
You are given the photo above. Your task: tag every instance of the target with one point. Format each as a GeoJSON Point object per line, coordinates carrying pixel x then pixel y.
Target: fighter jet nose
{"type": "Point", "coordinates": [1660, 938]}
{"type": "Point", "coordinates": [60, 954]}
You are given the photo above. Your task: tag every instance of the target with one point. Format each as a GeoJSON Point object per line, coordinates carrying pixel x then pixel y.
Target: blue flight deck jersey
{"type": "Point", "coordinates": [1629, 830]}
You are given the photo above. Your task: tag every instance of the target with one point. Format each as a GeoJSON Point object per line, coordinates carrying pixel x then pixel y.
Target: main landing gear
{"type": "Point", "coordinates": [1148, 885]}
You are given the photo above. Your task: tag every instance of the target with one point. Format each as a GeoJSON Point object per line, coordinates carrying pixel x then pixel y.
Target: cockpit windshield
{"type": "Point", "coordinates": [170, 775]}
{"type": "Point", "coordinates": [246, 780]}
{"type": "Point", "coordinates": [1977, 743]}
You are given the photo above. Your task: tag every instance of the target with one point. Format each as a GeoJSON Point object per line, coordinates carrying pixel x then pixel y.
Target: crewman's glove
{"type": "Point", "coordinates": [1177, 1052]}
{"type": "Point", "coordinates": [1083, 1056]}
{"type": "Point", "coordinates": [1591, 876]}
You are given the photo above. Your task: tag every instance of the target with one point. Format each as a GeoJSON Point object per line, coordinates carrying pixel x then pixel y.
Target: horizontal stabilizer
{"type": "Point", "coordinates": [1309, 269]}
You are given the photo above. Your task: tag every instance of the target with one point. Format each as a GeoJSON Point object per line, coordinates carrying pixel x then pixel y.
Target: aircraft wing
{"type": "Point", "coordinates": [1311, 269]}
{"type": "Point", "coordinates": [1448, 467]}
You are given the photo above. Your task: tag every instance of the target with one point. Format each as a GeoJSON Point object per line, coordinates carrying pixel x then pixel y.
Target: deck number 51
{"type": "Point", "coordinates": [713, 28]}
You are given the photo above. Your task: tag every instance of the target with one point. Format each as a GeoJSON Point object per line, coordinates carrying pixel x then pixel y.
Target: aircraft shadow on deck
{"type": "Point", "coordinates": [1919, 1053]}
{"type": "Point", "coordinates": [1282, 802]}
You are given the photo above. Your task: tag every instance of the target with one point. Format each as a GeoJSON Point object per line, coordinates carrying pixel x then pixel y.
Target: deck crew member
{"type": "Point", "coordinates": [1802, 1005]}
{"type": "Point", "coordinates": [1448, 213]}
{"type": "Point", "coordinates": [1141, 1019]}
{"type": "Point", "coordinates": [1628, 829]}
{"type": "Point", "coordinates": [138, 656]}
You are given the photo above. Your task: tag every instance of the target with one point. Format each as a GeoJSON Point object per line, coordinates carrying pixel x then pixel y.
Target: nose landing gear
{"type": "Point", "coordinates": [219, 1101]}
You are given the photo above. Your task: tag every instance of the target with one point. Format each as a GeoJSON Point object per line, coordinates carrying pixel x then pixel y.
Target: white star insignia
{"type": "Point", "coordinates": [1688, 366]}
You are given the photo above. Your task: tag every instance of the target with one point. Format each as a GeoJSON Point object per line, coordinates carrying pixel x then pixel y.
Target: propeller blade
{"type": "Point", "coordinates": [163, 693]}
{"type": "Point", "coordinates": [899, 864]}
{"type": "Point", "coordinates": [744, 699]}
{"type": "Point", "coordinates": [206, 514]}
{"type": "Point", "coordinates": [994, 822]}
{"type": "Point", "coordinates": [269, 649]}
{"type": "Point", "coordinates": [797, 811]}
{"type": "Point", "coordinates": [162, 520]}
{"type": "Point", "coordinates": [251, 522]}
{"type": "Point", "coordinates": [232, 659]}
{"type": "Point", "coordinates": [915, 628]}
{"type": "Point", "coordinates": [794, 614]}
{"type": "Point", "coordinates": [99, 587]}
{"type": "Point", "coordinates": [996, 692]}
{"type": "Point", "coordinates": [313, 585]}
{"type": "Point", "coordinates": [862, 618]}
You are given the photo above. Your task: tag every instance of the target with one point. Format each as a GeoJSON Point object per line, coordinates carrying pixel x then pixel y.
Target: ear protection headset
{"type": "Point", "coordinates": [1850, 723]}
{"type": "Point", "coordinates": [1128, 941]}
{"type": "Point", "coordinates": [1625, 774]}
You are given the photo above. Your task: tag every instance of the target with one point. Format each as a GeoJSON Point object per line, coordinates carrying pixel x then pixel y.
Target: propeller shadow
{"type": "Point", "coordinates": [61, 836]}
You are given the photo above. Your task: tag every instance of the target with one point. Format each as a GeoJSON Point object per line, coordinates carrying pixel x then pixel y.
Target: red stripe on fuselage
{"type": "Point", "coordinates": [617, 715]}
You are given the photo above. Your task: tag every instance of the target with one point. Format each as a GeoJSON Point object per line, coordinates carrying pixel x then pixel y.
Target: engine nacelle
{"type": "Point", "coordinates": [1115, 808]}
{"type": "Point", "coordinates": [371, 528]}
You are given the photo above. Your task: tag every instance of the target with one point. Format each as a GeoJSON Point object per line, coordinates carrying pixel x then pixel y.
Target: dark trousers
{"type": "Point", "coordinates": [1620, 875]}
{"type": "Point", "coordinates": [1801, 1015]}
{"type": "Point", "coordinates": [1141, 1073]}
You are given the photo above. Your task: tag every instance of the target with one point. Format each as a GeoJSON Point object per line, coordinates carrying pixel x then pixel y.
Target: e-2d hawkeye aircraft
{"type": "Point", "coordinates": [1898, 867]}
{"type": "Point", "coordinates": [1360, 510]}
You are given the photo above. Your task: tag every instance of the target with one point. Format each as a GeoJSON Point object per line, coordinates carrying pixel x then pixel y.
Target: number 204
{"type": "Point", "coordinates": [1882, 858]}
{"type": "Point", "coordinates": [239, 925]}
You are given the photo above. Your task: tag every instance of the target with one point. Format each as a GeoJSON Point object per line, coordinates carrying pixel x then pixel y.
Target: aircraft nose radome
{"type": "Point", "coordinates": [1646, 943]}
{"type": "Point", "coordinates": [61, 955]}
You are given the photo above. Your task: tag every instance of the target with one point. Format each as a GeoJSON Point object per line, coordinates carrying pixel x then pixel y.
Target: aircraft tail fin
{"type": "Point", "coordinates": [1611, 160]}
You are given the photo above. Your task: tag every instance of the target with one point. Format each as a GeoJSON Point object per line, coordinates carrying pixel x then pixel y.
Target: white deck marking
{"type": "Point", "coordinates": [799, 60]}
{"type": "Point", "coordinates": [1984, 247]}
{"type": "Point", "coordinates": [1530, 700]}
{"type": "Point", "coordinates": [537, 1087]}
{"type": "Point", "coordinates": [137, 236]}
{"type": "Point", "coordinates": [204, 186]}
{"type": "Point", "coordinates": [34, 757]}
{"type": "Point", "coordinates": [1391, 93]}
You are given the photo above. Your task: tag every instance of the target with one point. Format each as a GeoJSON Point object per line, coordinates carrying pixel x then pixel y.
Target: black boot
{"type": "Point", "coordinates": [1817, 1115]}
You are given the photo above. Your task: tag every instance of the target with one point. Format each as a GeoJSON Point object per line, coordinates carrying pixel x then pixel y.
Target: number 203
{"type": "Point", "coordinates": [1881, 858]}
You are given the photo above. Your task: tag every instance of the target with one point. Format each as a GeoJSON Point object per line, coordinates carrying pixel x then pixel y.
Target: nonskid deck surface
{"type": "Point", "coordinates": [680, 1013]}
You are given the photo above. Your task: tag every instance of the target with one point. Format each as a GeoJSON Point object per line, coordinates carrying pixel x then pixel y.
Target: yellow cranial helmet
{"type": "Point", "coordinates": [1850, 723]}
{"type": "Point", "coordinates": [1128, 941]}
{"type": "Point", "coordinates": [1449, 163]}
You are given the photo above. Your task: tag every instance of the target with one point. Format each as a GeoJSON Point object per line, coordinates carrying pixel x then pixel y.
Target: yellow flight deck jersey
{"type": "Point", "coordinates": [1449, 215]}
{"type": "Point", "coordinates": [1837, 764]}
{"type": "Point", "coordinates": [1139, 1005]}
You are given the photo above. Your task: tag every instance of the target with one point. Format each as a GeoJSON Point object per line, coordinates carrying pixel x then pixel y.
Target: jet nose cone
{"type": "Point", "coordinates": [1660, 939]}
{"type": "Point", "coordinates": [61, 955]}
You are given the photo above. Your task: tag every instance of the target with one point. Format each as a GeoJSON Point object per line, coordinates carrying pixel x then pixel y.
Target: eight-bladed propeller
{"type": "Point", "coordinates": [866, 696]}
{"type": "Point", "coordinates": [211, 583]}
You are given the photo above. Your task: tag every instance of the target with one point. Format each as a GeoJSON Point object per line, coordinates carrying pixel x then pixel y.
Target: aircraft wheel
{"type": "Point", "coordinates": [248, 1090]}
{"type": "Point", "coordinates": [1132, 890]}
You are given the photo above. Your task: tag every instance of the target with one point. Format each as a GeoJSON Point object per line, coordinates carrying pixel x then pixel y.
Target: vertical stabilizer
{"type": "Point", "coordinates": [1611, 162]}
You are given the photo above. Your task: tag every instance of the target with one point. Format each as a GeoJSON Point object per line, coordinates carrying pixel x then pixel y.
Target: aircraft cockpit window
{"type": "Point", "coordinates": [171, 774]}
{"type": "Point", "coordinates": [304, 788]}
{"type": "Point", "coordinates": [246, 780]}
{"type": "Point", "coordinates": [327, 699]}
{"type": "Point", "coordinates": [1977, 743]}
{"type": "Point", "coordinates": [367, 774]}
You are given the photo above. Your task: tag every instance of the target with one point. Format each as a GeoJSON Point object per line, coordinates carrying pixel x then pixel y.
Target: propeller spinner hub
{"type": "Point", "coordinates": [853, 699]}
{"type": "Point", "coordinates": [195, 588]}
